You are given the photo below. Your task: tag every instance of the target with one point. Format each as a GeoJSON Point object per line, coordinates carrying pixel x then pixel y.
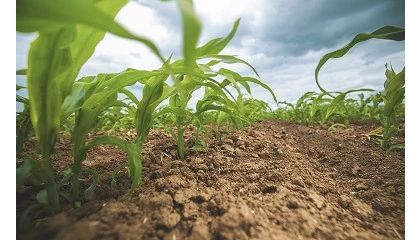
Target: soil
{"type": "Point", "coordinates": [271, 180]}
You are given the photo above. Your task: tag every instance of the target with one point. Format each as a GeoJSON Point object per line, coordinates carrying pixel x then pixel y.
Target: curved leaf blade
{"type": "Point", "coordinates": [386, 33]}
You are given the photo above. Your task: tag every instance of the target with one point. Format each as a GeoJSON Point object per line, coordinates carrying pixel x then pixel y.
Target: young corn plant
{"type": "Point", "coordinates": [393, 96]}
{"type": "Point", "coordinates": [284, 113]}
{"type": "Point", "coordinates": [373, 106]}
{"type": "Point", "coordinates": [216, 108]}
{"type": "Point", "coordinates": [337, 107]}
{"type": "Point", "coordinates": [202, 76]}
{"type": "Point", "coordinates": [68, 32]}
{"type": "Point", "coordinates": [394, 85]}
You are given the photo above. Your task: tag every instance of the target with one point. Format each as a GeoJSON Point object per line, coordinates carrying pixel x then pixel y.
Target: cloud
{"type": "Point", "coordinates": [296, 27]}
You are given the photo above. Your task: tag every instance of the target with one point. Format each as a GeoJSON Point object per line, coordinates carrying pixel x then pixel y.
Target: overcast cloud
{"type": "Point", "coordinates": [283, 40]}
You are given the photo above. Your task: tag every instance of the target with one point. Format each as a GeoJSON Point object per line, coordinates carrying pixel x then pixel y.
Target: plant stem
{"type": "Point", "coordinates": [51, 186]}
{"type": "Point", "coordinates": [75, 182]}
{"type": "Point", "coordinates": [180, 140]}
{"type": "Point", "coordinates": [78, 157]}
{"type": "Point", "coordinates": [386, 134]}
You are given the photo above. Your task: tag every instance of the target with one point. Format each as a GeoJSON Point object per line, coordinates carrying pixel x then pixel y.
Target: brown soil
{"type": "Point", "coordinates": [272, 180]}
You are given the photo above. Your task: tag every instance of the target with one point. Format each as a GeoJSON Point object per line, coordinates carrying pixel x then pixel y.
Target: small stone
{"type": "Point", "coordinates": [298, 181]}
{"type": "Point", "coordinates": [344, 201]}
{"type": "Point", "coordinates": [240, 143]}
{"type": "Point", "coordinates": [202, 167]}
{"type": "Point", "coordinates": [201, 174]}
{"type": "Point", "coordinates": [257, 134]}
{"type": "Point", "coordinates": [338, 147]}
{"type": "Point", "coordinates": [355, 169]}
{"type": "Point", "coordinates": [318, 200]}
{"type": "Point", "coordinates": [277, 136]}
{"type": "Point", "coordinates": [174, 171]}
{"type": "Point", "coordinates": [228, 148]}
{"type": "Point", "coordinates": [168, 220]}
{"type": "Point", "coordinates": [360, 187]}
{"type": "Point", "coordinates": [197, 161]}
{"type": "Point", "coordinates": [292, 204]}
{"type": "Point", "coordinates": [253, 177]}
{"type": "Point", "coordinates": [274, 176]}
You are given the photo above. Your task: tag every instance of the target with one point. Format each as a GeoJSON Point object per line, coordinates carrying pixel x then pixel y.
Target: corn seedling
{"type": "Point", "coordinates": [393, 95]}
{"type": "Point", "coordinates": [190, 76]}
{"type": "Point", "coordinates": [68, 32]}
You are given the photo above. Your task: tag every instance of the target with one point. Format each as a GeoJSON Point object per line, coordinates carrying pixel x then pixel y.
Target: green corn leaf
{"type": "Point", "coordinates": [230, 59]}
{"type": "Point", "coordinates": [45, 16]}
{"type": "Point", "coordinates": [152, 92]}
{"type": "Point", "coordinates": [240, 79]}
{"type": "Point", "coordinates": [232, 81]}
{"type": "Point", "coordinates": [338, 101]}
{"type": "Point", "coordinates": [74, 100]}
{"type": "Point", "coordinates": [395, 147]}
{"type": "Point", "coordinates": [396, 99]}
{"type": "Point", "coordinates": [191, 29]}
{"type": "Point", "coordinates": [105, 95]}
{"type": "Point", "coordinates": [218, 89]}
{"type": "Point", "coordinates": [215, 107]}
{"type": "Point", "coordinates": [130, 95]}
{"type": "Point", "coordinates": [129, 78]}
{"type": "Point", "coordinates": [246, 86]}
{"type": "Point", "coordinates": [174, 110]}
{"type": "Point", "coordinates": [22, 100]}
{"type": "Point", "coordinates": [43, 91]}
{"type": "Point", "coordinates": [394, 92]}
{"type": "Point", "coordinates": [389, 73]}
{"type": "Point", "coordinates": [95, 180]}
{"type": "Point", "coordinates": [78, 45]}
{"type": "Point", "coordinates": [133, 151]}
{"type": "Point", "coordinates": [67, 175]}
{"type": "Point", "coordinates": [205, 68]}
{"type": "Point", "coordinates": [88, 114]}
{"type": "Point", "coordinates": [287, 104]}
{"type": "Point", "coordinates": [396, 81]}
{"type": "Point", "coordinates": [178, 67]}
{"type": "Point", "coordinates": [21, 71]}
{"type": "Point", "coordinates": [42, 197]}
{"type": "Point", "coordinates": [216, 45]}
{"type": "Point", "coordinates": [213, 62]}
{"type": "Point", "coordinates": [55, 58]}
{"type": "Point", "coordinates": [168, 91]}
{"type": "Point", "coordinates": [209, 100]}
{"type": "Point", "coordinates": [115, 172]}
{"type": "Point", "coordinates": [386, 33]}
{"type": "Point", "coordinates": [130, 109]}
{"type": "Point", "coordinates": [18, 87]}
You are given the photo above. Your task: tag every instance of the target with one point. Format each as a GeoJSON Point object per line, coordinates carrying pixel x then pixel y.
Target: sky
{"type": "Point", "coordinates": [283, 40]}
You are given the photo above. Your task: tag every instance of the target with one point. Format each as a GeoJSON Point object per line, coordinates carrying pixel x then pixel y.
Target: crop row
{"type": "Point", "coordinates": [68, 32]}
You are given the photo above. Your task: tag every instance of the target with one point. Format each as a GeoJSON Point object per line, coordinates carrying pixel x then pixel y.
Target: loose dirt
{"type": "Point", "coordinates": [272, 180]}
